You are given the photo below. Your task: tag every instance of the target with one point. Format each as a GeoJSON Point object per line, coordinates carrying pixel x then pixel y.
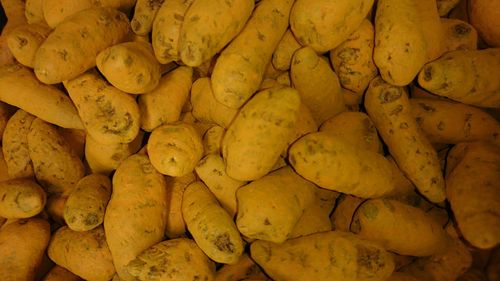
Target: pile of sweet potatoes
{"type": "Point", "coordinates": [225, 140]}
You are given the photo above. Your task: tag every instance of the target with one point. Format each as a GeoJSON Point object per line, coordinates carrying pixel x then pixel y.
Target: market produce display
{"type": "Point", "coordinates": [250, 140]}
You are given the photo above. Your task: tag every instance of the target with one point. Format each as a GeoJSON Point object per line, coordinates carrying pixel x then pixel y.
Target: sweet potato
{"type": "Point", "coordinates": [211, 226]}
{"type": "Point", "coordinates": [108, 114]}
{"type": "Point", "coordinates": [282, 56]}
{"type": "Point", "coordinates": [446, 266]}
{"type": "Point", "coordinates": [105, 158]}
{"type": "Point", "coordinates": [22, 244]}
{"type": "Point", "coordinates": [24, 41]}
{"type": "Point", "coordinates": [263, 203]}
{"type": "Point", "coordinates": [175, 225]}
{"type": "Point", "coordinates": [245, 268]}
{"type": "Point", "coordinates": [323, 24]}
{"type": "Point", "coordinates": [175, 149]}
{"type": "Point", "coordinates": [144, 15]}
{"type": "Point", "coordinates": [208, 26]}
{"type": "Point", "coordinates": [389, 109]}
{"type": "Point", "coordinates": [14, 11]}
{"type": "Point", "coordinates": [84, 253]}
{"type": "Point", "coordinates": [472, 184]}
{"type": "Point", "coordinates": [72, 47]}
{"type": "Point", "coordinates": [485, 16]}
{"type": "Point", "coordinates": [260, 132]}
{"type": "Point", "coordinates": [334, 163]}
{"type": "Point", "coordinates": [15, 145]}
{"type": "Point", "coordinates": [318, 85]}
{"type": "Point", "coordinates": [467, 76]}
{"type": "Point", "coordinates": [164, 104]}
{"type": "Point", "coordinates": [130, 67]}
{"type": "Point", "coordinates": [330, 255]}
{"type": "Point", "coordinates": [355, 127]}
{"type": "Point", "coordinates": [58, 273]}
{"type": "Point", "coordinates": [34, 11]}
{"type": "Point", "coordinates": [60, 172]}
{"type": "Point", "coordinates": [212, 171]}
{"type": "Point", "coordinates": [206, 108]}
{"type": "Point", "coordinates": [400, 228]}
{"type": "Point", "coordinates": [21, 198]}
{"type": "Point", "coordinates": [459, 35]}
{"type": "Point", "coordinates": [407, 35]}
{"type": "Point", "coordinates": [43, 101]}
{"type": "Point", "coordinates": [6, 112]}
{"type": "Point", "coordinates": [172, 260]}
{"type": "Point", "coordinates": [345, 208]}
{"type": "Point", "coordinates": [240, 68]}
{"type": "Point", "coordinates": [167, 28]}
{"type": "Point", "coordinates": [85, 207]}
{"type": "Point", "coordinates": [136, 214]}
{"type": "Point", "coordinates": [452, 122]}
{"type": "Point", "coordinates": [353, 61]}
{"type": "Point", "coordinates": [212, 140]}
{"type": "Point", "coordinates": [55, 11]}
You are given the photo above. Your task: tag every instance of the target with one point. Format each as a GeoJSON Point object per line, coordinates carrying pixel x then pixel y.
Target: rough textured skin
{"type": "Point", "coordinates": [72, 47]}
{"type": "Point", "coordinates": [211, 226]}
{"type": "Point", "coordinates": [56, 11]}
{"type": "Point", "coordinates": [324, 256]}
{"type": "Point", "coordinates": [353, 59]}
{"type": "Point", "coordinates": [15, 145]}
{"type": "Point", "coordinates": [175, 225]}
{"type": "Point", "coordinates": [445, 266]}
{"type": "Point", "coordinates": [334, 163]}
{"type": "Point", "coordinates": [317, 84]}
{"type": "Point", "coordinates": [164, 104]}
{"type": "Point", "coordinates": [136, 214]}
{"type": "Point", "coordinates": [85, 207]}
{"type": "Point", "coordinates": [269, 207]}
{"type": "Point", "coordinates": [212, 171]}
{"type": "Point", "coordinates": [22, 244]}
{"type": "Point", "coordinates": [144, 15]}
{"type": "Point", "coordinates": [400, 43]}
{"type": "Point", "coordinates": [260, 132]}
{"type": "Point", "coordinates": [25, 40]}
{"type": "Point", "coordinates": [472, 187]}
{"type": "Point", "coordinates": [467, 76]}
{"type": "Point", "coordinates": [453, 122]}
{"type": "Point", "coordinates": [400, 228]}
{"type": "Point", "coordinates": [282, 56]}
{"type": "Point", "coordinates": [173, 260]}
{"type": "Point", "coordinates": [324, 24]}
{"type": "Point", "coordinates": [458, 35]}
{"type": "Point", "coordinates": [60, 172]}
{"type": "Point", "coordinates": [84, 253]}
{"type": "Point", "coordinates": [240, 68]}
{"type": "Point", "coordinates": [108, 114]}
{"type": "Point", "coordinates": [58, 273]}
{"type": "Point", "coordinates": [130, 67]}
{"type": "Point", "coordinates": [44, 101]}
{"type": "Point", "coordinates": [345, 208]}
{"type": "Point", "coordinates": [209, 25]}
{"type": "Point", "coordinates": [485, 17]}
{"type": "Point", "coordinates": [175, 149]}
{"type": "Point", "coordinates": [166, 29]}
{"type": "Point", "coordinates": [21, 198]}
{"type": "Point", "coordinates": [389, 108]}
{"type": "Point", "coordinates": [104, 158]}
{"type": "Point", "coordinates": [207, 108]}
{"type": "Point", "coordinates": [355, 127]}
{"type": "Point", "coordinates": [245, 268]}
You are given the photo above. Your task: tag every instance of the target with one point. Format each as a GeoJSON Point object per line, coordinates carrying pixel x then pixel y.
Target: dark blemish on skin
{"type": "Point", "coordinates": [441, 126]}
{"type": "Point", "coordinates": [223, 243]}
{"type": "Point", "coordinates": [128, 61]}
{"type": "Point", "coordinates": [390, 95]}
{"type": "Point", "coordinates": [21, 42]}
{"type": "Point", "coordinates": [403, 125]}
{"type": "Point", "coordinates": [91, 219]}
{"type": "Point", "coordinates": [267, 222]}
{"type": "Point", "coordinates": [426, 107]}
{"type": "Point", "coordinates": [369, 258]}
{"type": "Point", "coordinates": [396, 110]}
{"type": "Point", "coordinates": [63, 54]}
{"type": "Point", "coordinates": [178, 17]}
{"type": "Point", "coordinates": [461, 29]}
{"type": "Point", "coordinates": [195, 18]}
{"type": "Point", "coordinates": [428, 73]}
